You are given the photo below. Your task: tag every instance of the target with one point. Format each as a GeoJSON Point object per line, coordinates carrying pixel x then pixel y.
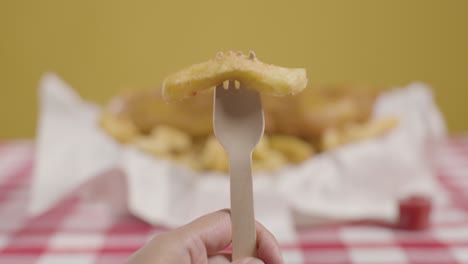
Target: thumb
{"type": "Point", "coordinates": [248, 260]}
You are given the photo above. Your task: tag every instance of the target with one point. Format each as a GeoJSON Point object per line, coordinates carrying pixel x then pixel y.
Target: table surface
{"type": "Point", "coordinates": [78, 232]}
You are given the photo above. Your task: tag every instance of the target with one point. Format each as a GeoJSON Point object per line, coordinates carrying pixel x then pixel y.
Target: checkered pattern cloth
{"type": "Point", "coordinates": [78, 232]}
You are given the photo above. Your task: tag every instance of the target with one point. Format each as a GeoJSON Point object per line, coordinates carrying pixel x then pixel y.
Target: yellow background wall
{"type": "Point", "coordinates": [100, 47]}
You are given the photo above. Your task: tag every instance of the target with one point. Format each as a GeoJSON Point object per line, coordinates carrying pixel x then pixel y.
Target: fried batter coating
{"type": "Point", "coordinates": [147, 110]}
{"type": "Point", "coordinates": [317, 109]}
{"type": "Point", "coordinates": [247, 69]}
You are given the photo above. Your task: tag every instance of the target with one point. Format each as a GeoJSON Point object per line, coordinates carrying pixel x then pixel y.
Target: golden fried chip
{"type": "Point", "coordinates": [294, 149]}
{"type": "Point", "coordinates": [333, 138]}
{"type": "Point", "coordinates": [190, 159]}
{"type": "Point", "coordinates": [213, 156]}
{"type": "Point", "coordinates": [120, 127]}
{"type": "Point", "coordinates": [164, 141]}
{"type": "Point", "coordinates": [369, 130]}
{"type": "Point", "coordinates": [273, 160]}
{"type": "Point", "coordinates": [262, 149]}
{"type": "Point", "coordinates": [247, 69]}
{"type": "Point", "coordinates": [265, 158]}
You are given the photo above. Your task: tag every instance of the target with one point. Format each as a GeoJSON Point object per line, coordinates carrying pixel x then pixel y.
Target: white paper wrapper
{"type": "Point", "coordinates": [359, 181]}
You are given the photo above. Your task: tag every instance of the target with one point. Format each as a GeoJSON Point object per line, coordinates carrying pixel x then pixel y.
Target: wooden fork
{"type": "Point", "coordinates": [238, 126]}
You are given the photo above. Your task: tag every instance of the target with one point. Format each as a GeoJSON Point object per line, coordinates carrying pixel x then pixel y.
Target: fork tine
{"type": "Point", "coordinates": [229, 99]}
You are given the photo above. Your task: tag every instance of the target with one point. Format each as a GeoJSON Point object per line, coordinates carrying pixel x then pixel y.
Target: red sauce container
{"type": "Point", "coordinates": [414, 213]}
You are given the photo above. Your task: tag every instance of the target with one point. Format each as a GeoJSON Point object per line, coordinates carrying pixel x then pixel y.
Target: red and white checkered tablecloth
{"type": "Point", "coordinates": [79, 232]}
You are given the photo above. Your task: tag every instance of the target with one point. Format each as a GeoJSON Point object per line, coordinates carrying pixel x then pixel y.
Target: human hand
{"type": "Point", "coordinates": [201, 241]}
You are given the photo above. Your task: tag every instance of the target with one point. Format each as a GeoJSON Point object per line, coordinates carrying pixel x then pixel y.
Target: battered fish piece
{"type": "Point", "coordinates": [306, 115]}
{"type": "Point", "coordinates": [247, 69]}
{"type": "Point", "coordinates": [147, 109]}
{"type": "Point", "coordinates": [320, 118]}
{"type": "Point", "coordinates": [309, 114]}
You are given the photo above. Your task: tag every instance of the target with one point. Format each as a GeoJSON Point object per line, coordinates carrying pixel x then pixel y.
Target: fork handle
{"type": "Point", "coordinates": [244, 242]}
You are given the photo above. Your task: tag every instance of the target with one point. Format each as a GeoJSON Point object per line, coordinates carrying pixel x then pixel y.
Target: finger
{"type": "Point", "coordinates": [191, 243]}
{"type": "Point", "coordinates": [226, 259]}
{"type": "Point", "coordinates": [215, 233]}
{"type": "Point", "coordinates": [221, 258]}
{"type": "Point", "coordinates": [268, 249]}
{"type": "Point", "coordinates": [212, 231]}
{"type": "Point", "coordinates": [248, 261]}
